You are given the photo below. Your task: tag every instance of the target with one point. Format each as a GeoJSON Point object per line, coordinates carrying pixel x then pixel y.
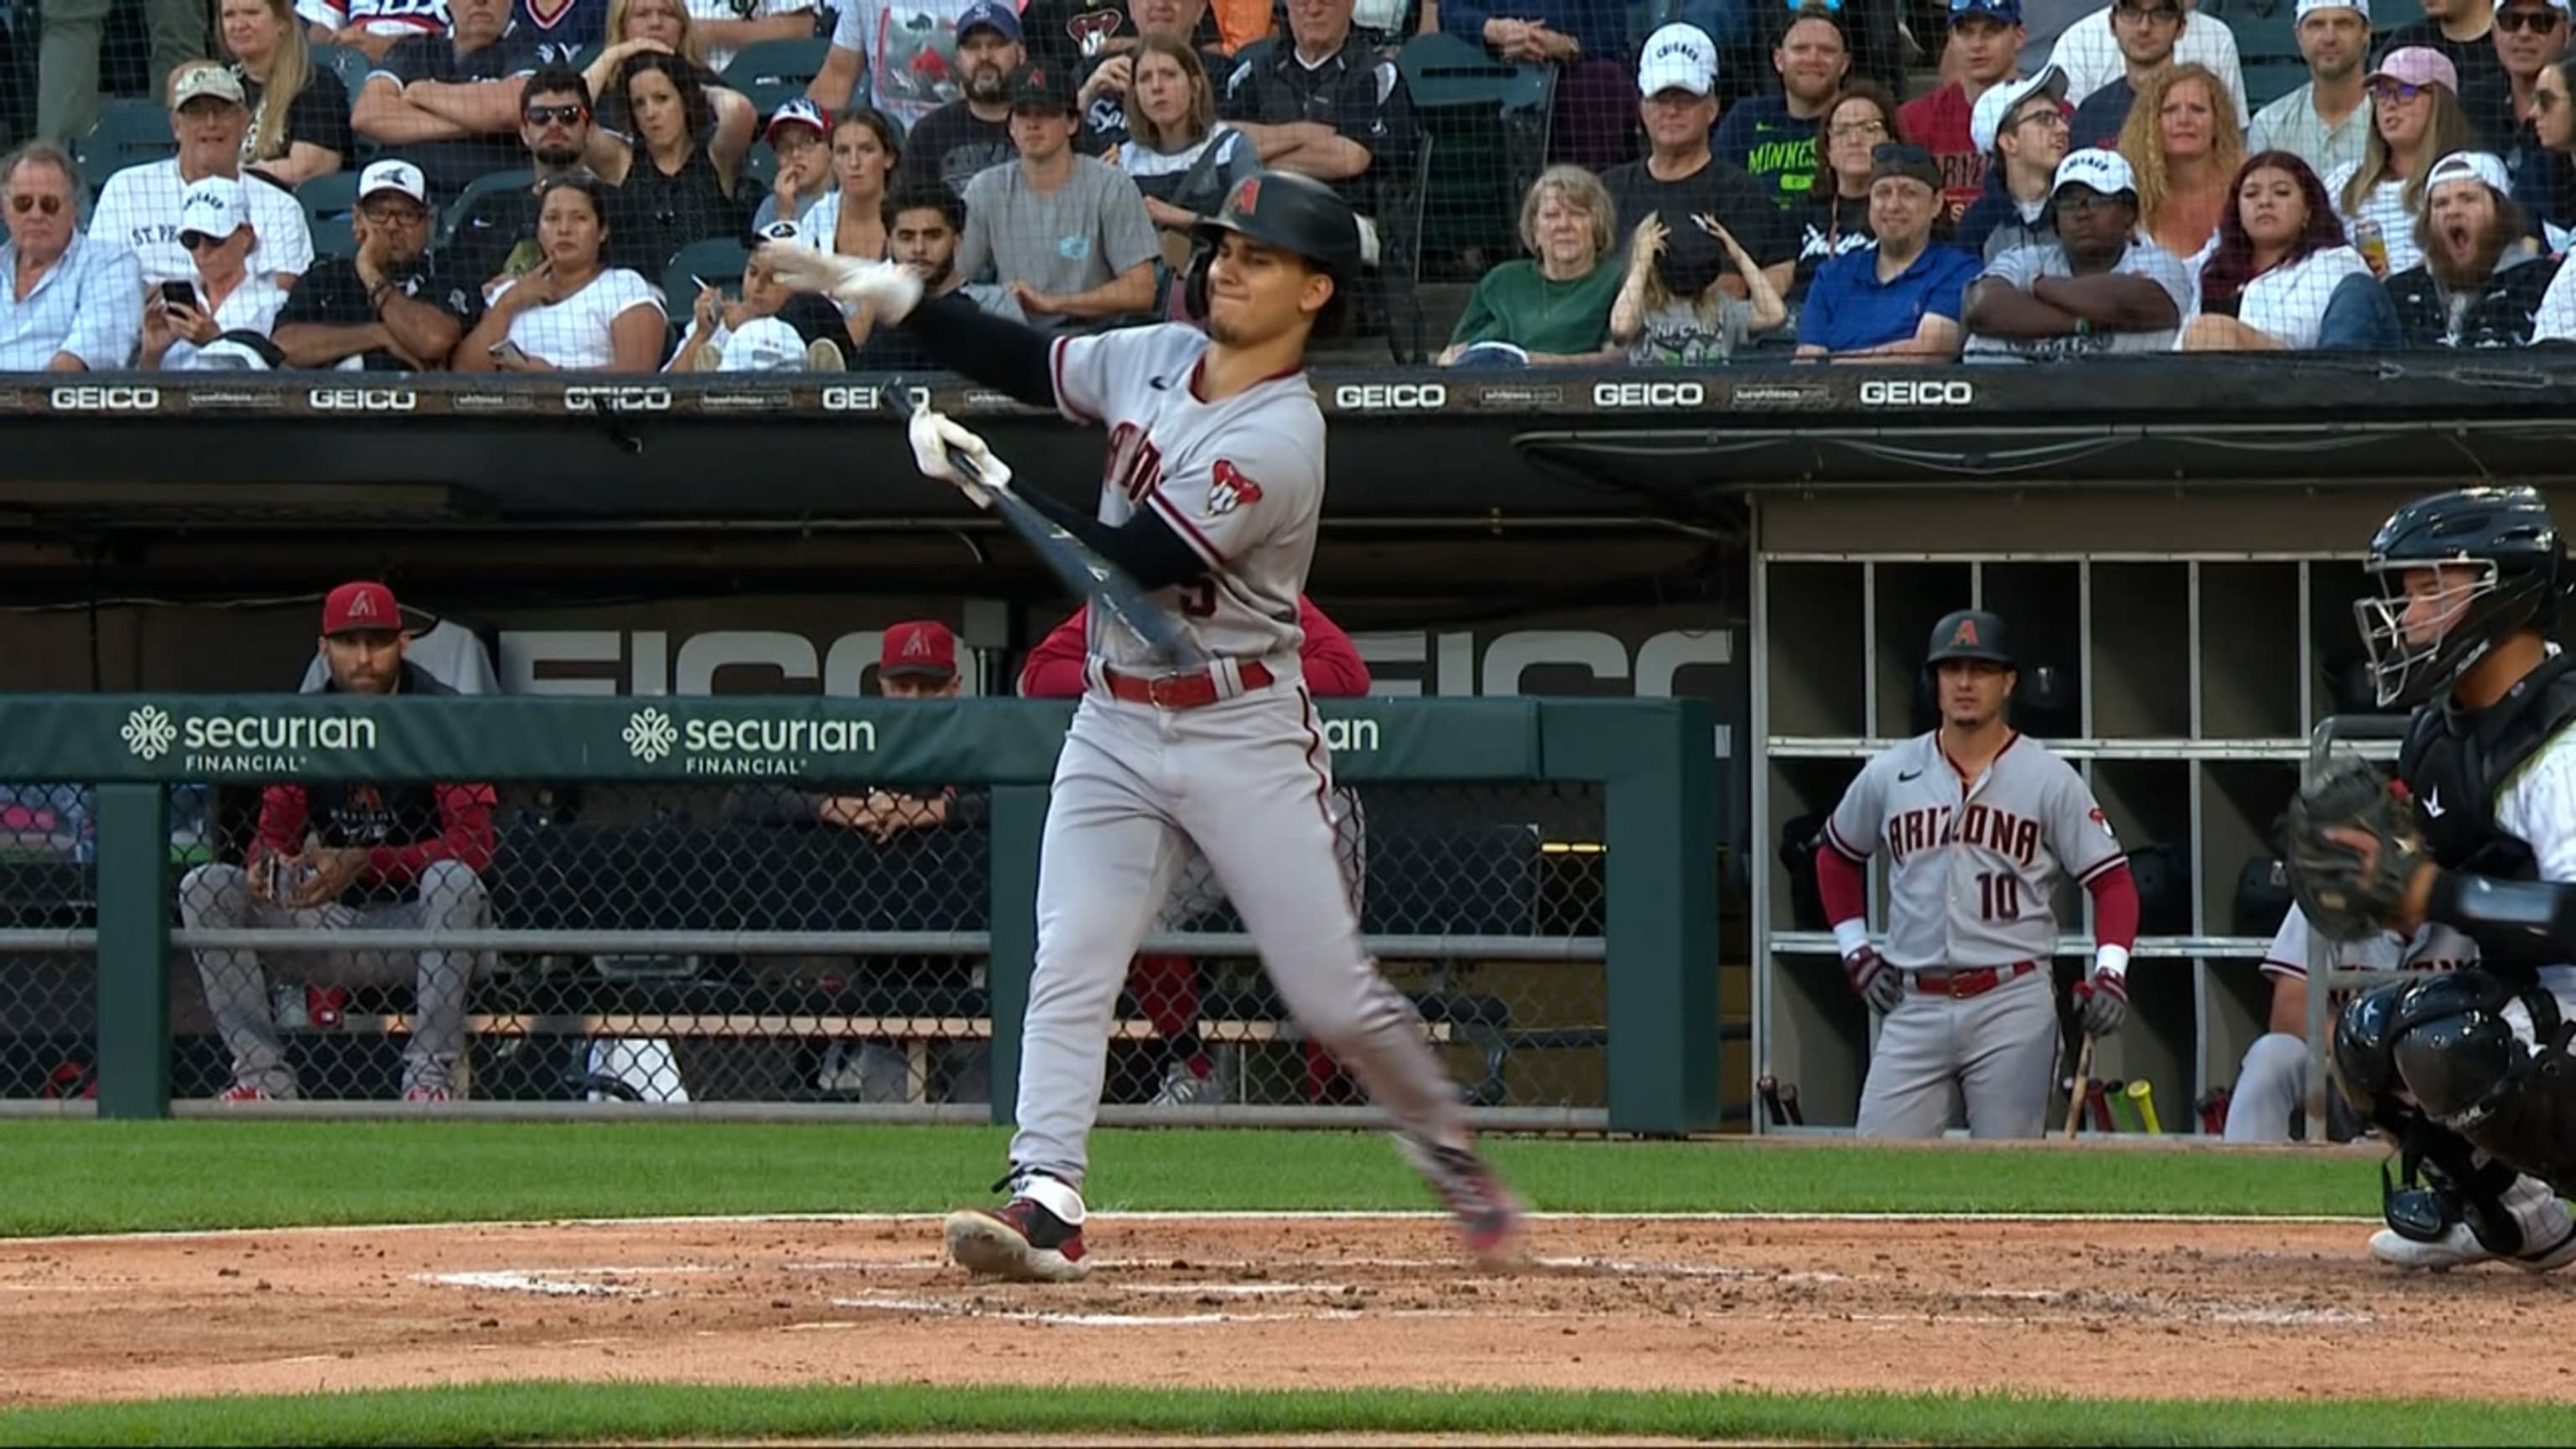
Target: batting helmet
{"type": "Point", "coordinates": [1969, 634]}
{"type": "Point", "coordinates": [1291, 212]}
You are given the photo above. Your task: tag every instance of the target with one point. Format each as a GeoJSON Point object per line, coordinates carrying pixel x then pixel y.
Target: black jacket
{"type": "Point", "coordinates": [2499, 315]}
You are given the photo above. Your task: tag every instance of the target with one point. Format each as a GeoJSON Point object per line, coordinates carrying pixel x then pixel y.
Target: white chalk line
{"type": "Point", "coordinates": [182, 1235]}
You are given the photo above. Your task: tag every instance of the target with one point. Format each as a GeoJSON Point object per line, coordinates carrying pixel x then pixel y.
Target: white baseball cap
{"type": "Point", "coordinates": [2307, 8]}
{"type": "Point", "coordinates": [2100, 168]}
{"type": "Point", "coordinates": [1677, 57]}
{"type": "Point", "coordinates": [1988, 119]}
{"type": "Point", "coordinates": [214, 206]}
{"type": "Point", "coordinates": [391, 175]}
{"type": "Point", "coordinates": [763, 344]}
{"type": "Point", "coordinates": [2483, 166]}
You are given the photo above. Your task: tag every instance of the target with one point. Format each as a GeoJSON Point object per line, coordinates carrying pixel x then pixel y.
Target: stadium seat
{"type": "Point", "coordinates": [1490, 119]}
{"type": "Point", "coordinates": [328, 200]}
{"type": "Point", "coordinates": [351, 66]}
{"type": "Point", "coordinates": [771, 72]}
{"type": "Point", "coordinates": [129, 132]}
{"type": "Point", "coordinates": [718, 260]}
{"type": "Point", "coordinates": [482, 191]}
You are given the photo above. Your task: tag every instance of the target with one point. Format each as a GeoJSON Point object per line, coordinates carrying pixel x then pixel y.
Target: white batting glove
{"type": "Point", "coordinates": [890, 289]}
{"type": "Point", "coordinates": [935, 437]}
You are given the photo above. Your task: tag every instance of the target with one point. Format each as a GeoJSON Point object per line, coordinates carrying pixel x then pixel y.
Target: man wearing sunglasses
{"type": "Point", "coordinates": [2099, 286]}
{"type": "Point", "coordinates": [139, 207]}
{"type": "Point", "coordinates": [2101, 48]}
{"type": "Point", "coordinates": [2460, 29]}
{"type": "Point", "coordinates": [388, 308]}
{"type": "Point", "coordinates": [69, 303]}
{"type": "Point", "coordinates": [2326, 122]}
{"type": "Point", "coordinates": [496, 238]}
{"type": "Point", "coordinates": [1899, 301]}
{"type": "Point", "coordinates": [2528, 36]}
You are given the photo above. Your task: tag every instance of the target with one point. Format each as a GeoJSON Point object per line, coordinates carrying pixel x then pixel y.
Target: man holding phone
{"type": "Point", "coordinates": [139, 207]}
{"type": "Point", "coordinates": [353, 857]}
{"type": "Point", "coordinates": [389, 308]}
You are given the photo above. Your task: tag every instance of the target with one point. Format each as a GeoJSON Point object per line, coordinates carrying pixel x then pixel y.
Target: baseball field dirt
{"type": "Point", "coordinates": [2164, 1309]}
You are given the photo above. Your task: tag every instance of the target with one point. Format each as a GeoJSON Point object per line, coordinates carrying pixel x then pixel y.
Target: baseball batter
{"type": "Point", "coordinates": [1978, 822]}
{"type": "Point", "coordinates": [1210, 499]}
{"type": "Point", "coordinates": [2274, 1079]}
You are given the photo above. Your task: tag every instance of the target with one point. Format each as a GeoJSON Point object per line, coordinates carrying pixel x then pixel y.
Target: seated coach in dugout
{"type": "Point", "coordinates": [350, 857]}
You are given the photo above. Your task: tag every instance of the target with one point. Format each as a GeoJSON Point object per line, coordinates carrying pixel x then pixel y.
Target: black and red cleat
{"type": "Point", "coordinates": [1036, 1237]}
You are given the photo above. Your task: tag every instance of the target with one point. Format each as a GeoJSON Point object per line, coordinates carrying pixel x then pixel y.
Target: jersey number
{"type": "Point", "coordinates": [1198, 598]}
{"type": "Point", "coordinates": [1998, 896]}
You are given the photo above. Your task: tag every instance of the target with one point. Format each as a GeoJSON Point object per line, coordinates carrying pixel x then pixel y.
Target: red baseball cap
{"type": "Point", "coordinates": [361, 608]}
{"type": "Point", "coordinates": [919, 646]}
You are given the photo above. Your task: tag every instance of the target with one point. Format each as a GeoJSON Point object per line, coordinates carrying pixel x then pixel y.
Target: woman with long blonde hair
{"type": "Point", "coordinates": [2415, 120]}
{"type": "Point", "coordinates": [299, 111]}
{"type": "Point", "coordinates": [2183, 143]}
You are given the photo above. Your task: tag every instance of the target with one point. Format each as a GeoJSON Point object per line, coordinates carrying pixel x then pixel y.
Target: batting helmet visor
{"type": "Point", "coordinates": [1969, 634]}
{"type": "Point", "coordinates": [1293, 213]}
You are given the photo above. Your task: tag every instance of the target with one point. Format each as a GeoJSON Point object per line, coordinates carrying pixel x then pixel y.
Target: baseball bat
{"type": "Point", "coordinates": [1098, 582]}
{"type": "Point", "coordinates": [1789, 1104]}
{"type": "Point", "coordinates": [2116, 1093]}
{"type": "Point", "coordinates": [2075, 1088]}
{"type": "Point", "coordinates": [2099, 1106]}
{"type": "Point", "coordinates": [2142, 1097]}
{"type": "Point", "coordinates": [1769, 1088]}
{"type": "Point", "coordinates": [2213, 1112]}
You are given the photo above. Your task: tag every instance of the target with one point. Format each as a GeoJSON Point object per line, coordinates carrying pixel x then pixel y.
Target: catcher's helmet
{"type": "Point", "coordinates": [1969, 634]}
{"type": "Point", "coordinates": [2507, 541]}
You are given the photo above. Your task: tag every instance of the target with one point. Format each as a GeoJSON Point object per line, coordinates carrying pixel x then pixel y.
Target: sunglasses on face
{"type": "Point", "coordinates": [2396, 90]}
{"type": "Point", "coordinates": [24, 203]}
{"type": "Point", "coordinates": [197, 241]}
{"type": "Point", "coordinates": [2540, 20]}
{"type": "Point", "coordinates": [553, 115]}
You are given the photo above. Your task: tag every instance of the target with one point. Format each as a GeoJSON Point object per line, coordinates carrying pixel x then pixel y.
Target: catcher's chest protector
{"type": "Point", "coordinates": [2453, 763]}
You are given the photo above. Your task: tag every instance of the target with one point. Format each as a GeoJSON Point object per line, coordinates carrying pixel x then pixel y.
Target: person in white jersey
{"type": "Point", "coordinates": [1979, 822]}
{"type": "Point", "coordinates": [2274, 1078]}
{"type": "Point", "coordinates": [1210, 498]}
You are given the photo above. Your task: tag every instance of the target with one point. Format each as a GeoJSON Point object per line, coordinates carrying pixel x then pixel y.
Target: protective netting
{"type": "Point", "coordinates": [769, 944]}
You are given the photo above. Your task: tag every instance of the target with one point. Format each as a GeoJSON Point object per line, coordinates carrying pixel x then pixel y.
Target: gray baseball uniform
{"type": "Point", "coordinates": [1246, 779]}
{"type": "Point", "coordinates": [2274, 1079]}
{"type": "Point", "coordinates": [1972, 868]}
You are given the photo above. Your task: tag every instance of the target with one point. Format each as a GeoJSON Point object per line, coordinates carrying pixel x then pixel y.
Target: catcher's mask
{"type": "Point", "coordinates": [2501, 569]}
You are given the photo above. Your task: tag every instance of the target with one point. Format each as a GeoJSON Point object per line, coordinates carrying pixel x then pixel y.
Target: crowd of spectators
{"type": "Point", "coordinates": [538, 185]}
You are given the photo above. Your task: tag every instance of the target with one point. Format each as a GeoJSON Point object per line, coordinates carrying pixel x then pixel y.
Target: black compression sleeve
{"type": "Point", "coordinates": [2502, 914]}
{"type": "Point", "coordinates": [995, 351]}
{"type": "Point", "coordinates": [1145, 547]}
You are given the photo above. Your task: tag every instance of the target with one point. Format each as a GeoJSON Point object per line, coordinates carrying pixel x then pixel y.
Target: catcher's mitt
{"type": "Point", "coordinates": [2347, 891]}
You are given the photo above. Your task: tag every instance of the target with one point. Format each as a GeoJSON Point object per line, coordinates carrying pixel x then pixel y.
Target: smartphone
{"type": "Point", "coordinates": [180, 294]}
{"type": "Point", "coordinates": [506, 350]}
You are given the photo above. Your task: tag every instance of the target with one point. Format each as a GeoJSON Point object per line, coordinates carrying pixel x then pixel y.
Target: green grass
{"type": "Point", "coordinates": [543, 1412]}
{"type": "Point", "coordinates": [88, 1177]}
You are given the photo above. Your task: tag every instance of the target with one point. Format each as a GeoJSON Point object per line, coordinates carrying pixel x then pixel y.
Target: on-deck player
{"type": "Point", "coordinates": [2274, 1078]}
{"type": "Point", "coordinates": [1210, 500]}
{"type": "Point", "coordinates": [1978, 821]}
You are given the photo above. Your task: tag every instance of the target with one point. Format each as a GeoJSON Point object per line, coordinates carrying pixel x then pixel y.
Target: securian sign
{"type": "Point", "coordinates": [364, 399]}
{"type": "Point", "coordinates": [1917, 393]}
{"type": "Point", "coordinates": [617, 399]}
{"type": "Point", "coordinates": [1648, 394]}
{"type": "Point", "coordinates": [1401, 396]}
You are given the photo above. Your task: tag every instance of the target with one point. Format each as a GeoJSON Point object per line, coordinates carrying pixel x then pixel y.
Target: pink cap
{"type": "Point", "coordinates": [2419, 65]}
{"type": "Point", "coordinates": [921, 646]}
{"type": "Point", "coordinates": [361, 608]}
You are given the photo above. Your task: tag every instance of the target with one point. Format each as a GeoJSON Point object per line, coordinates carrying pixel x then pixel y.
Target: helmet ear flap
{"type": "Point", "coordinates": [1194, 282]}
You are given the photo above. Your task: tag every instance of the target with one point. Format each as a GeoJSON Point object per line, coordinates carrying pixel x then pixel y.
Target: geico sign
{"type": "Point", "coordinates": [106, 399]}
{"type": "Point", "coordinates": [1906, 392]}
{"type": "Point", "coordinates": [364, 399]}
{"type": "Point", "coordinates": [1648, 394]}
{"type": "Point", "coordinates": [1396, 395]}
{"type": "Point", "coordinates": [867, 399]}
{"type": "Point", "coordinates": [617, 399]}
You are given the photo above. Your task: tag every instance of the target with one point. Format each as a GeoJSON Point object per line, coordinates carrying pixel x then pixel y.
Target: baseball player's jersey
{"type": "Point", "coordinates": [2432, 948]}
{"type": "Point", "coordinates": [1241, 481]}
{"type": "Point", "coordinates": [1971, 868]}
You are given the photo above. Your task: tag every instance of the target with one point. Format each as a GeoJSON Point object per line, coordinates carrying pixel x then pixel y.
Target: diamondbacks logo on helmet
{"type": "Point", "coordinates": [1965, 636]}
{"type": "Point", "coordinates": [1247, 197]}
{"type": "Point", "coordinates": [1229, 488]}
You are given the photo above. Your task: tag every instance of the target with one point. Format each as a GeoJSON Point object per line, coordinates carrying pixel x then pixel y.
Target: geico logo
{"type": "Point", "coordinates": [1648, 394]}
{"type": "Point", "coordinates": [1391, 395]}
{"type": "Point", "coordinates": [868, 399]}
{"type": "Point", "coordinates": [618, 399]}
{"type": "Point", "coordinates": [109, 399]}
{"type": "Point", "coordinates": [364, 399]}
{"type": "Point", "coordinates": [1918, 393]}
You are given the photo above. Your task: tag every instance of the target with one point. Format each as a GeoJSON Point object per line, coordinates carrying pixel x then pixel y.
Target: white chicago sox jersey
{"type": "Point", "coordinates": [2432, 948]}
{"type": "Point", "coordinates": [1972, 864]}
{"type": "Point", "coordinates": [1241, 481]}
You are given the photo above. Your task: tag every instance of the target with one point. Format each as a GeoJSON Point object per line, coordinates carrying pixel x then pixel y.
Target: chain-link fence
{"type": "Point", "coordinates": [772, 943]}
{"type": "Point", "coordinates": [48, 894]}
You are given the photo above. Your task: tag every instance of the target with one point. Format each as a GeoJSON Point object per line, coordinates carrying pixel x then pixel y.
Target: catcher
{"type": "Point", "coordinates": [2468, 1073]}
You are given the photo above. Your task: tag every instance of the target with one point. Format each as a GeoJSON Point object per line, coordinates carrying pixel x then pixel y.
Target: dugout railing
{"type": "Point", "coordinates": [1542, 873]}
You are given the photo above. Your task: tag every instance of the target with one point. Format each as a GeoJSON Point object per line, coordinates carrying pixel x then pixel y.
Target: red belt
{"type": "Point", "coordinates": [1977, 981]}
{"type": "Point", "coordinates": [1179, 691]}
